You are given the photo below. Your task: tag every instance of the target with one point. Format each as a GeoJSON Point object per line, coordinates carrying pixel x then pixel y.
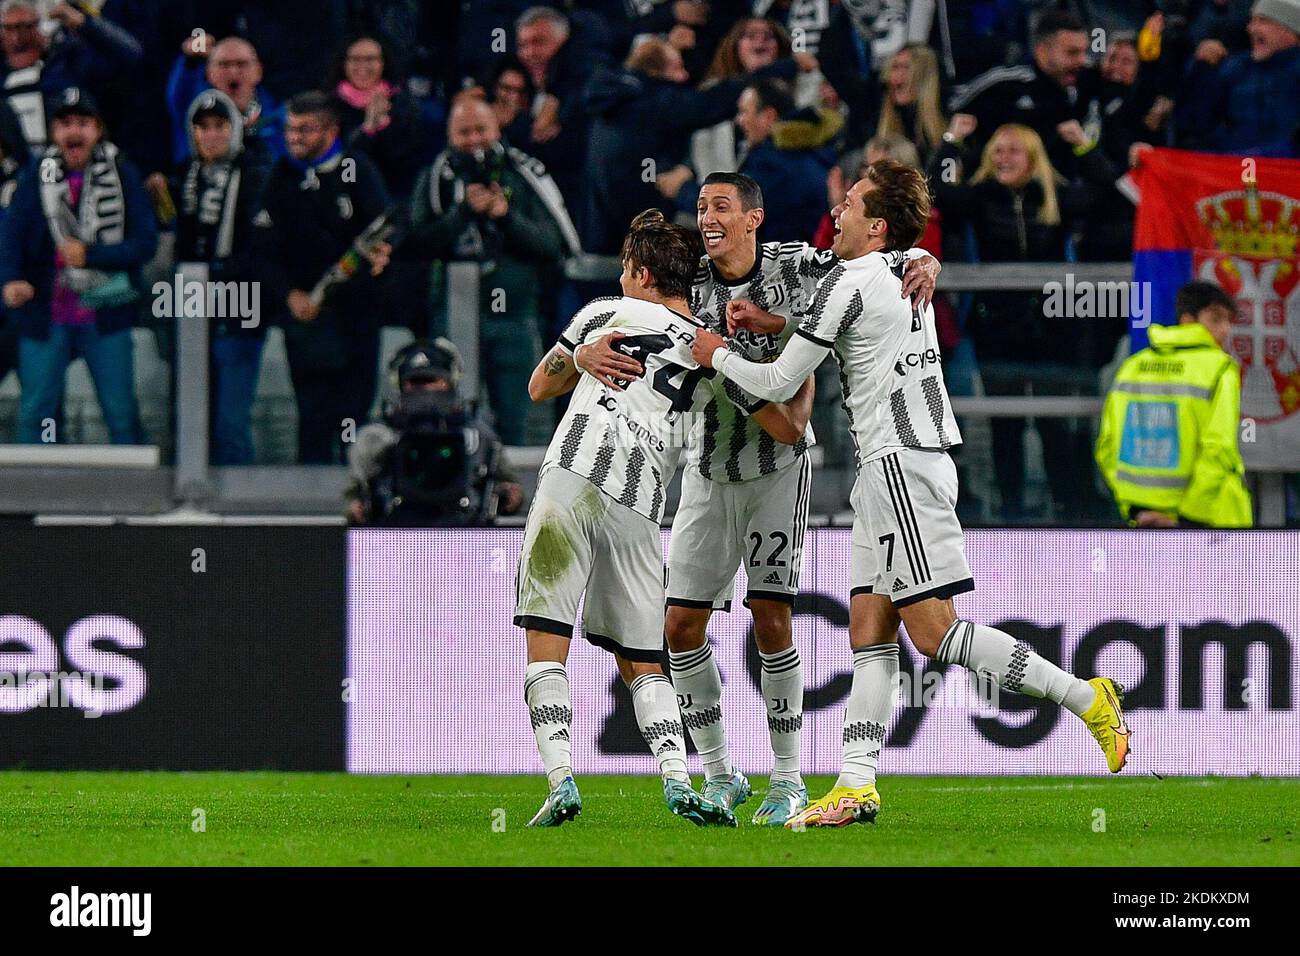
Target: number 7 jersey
{"type": "Point", "coordinates": [628, 443]}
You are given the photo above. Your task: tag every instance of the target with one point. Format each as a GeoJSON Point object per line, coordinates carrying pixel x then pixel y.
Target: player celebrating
{"type": "Point", "coordinates": [594, 523]}
{"type": "Point", "coordinates": [908, 556]}
{"type": "Point", "coordinates": [744, 494]}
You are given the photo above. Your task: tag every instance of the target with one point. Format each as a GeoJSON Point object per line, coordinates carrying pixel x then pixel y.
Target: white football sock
{"type": "Point", "coordinates": [871, 701]}
{"type": "Point", "coordinates": [1013, 665]}
{"type": "Point", "coordinates": [657, 715]}
{"type": "Point", "coordinates": [782, 685]}
{"type": "Point", "coordinates": [546, 691]}
{"type": "Point", "coordinates": [699, 687]}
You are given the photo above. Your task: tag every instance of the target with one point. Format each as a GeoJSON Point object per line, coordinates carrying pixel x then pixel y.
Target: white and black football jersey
{"type": "Point", "coordinates": [888, 353]}
{"type": "Point", "coordinates": [628, 443]}
{"type": "Point", "coordinates": [726, 444]}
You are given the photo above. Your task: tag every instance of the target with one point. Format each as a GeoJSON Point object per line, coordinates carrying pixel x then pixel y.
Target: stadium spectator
{"type": "Point", "coordinates": [786, 152]}
{"type": "Point", "coordinates": [379, 116]}
{"type": "Point", "coordinates": [510, 91]}
{"type": "Point", "coordinates": [752, 44]}
{"type": "Point", "coordinates": [559, 65]}
{"type": "Point", "coordinates": [974, 36]}
{"type": "Point", "coordinates": [36, 66]}
{"type": "Point", "coordinates": [233, 67]}
{"type": "Point", "coordinates": [1019, 210]}
{"type": "Point", "coordinates": [484, 201]}
{"type": "Point", "coordinates": [1057, 86]}
{"type": "Point", "coordinates": [911, 106]}
{"type": "Point", "coordinates": [73, 241]}
{"type": "Point", "coordinates": [219, 192]}
{"type": "Point", "coordinates": [643, 115]}
{"type": "Point", "coordinates": [320, 198]}
{"type": "Point", "coordinates": [1247, 103]}
{"type": "Point", "coordinates": [303, 35]}
{"type": "Point", "coordinates": [1168, 441]}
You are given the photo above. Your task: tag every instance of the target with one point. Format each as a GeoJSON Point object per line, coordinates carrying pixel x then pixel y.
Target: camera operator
{"type": "Point", "coordinates": [433, 460]}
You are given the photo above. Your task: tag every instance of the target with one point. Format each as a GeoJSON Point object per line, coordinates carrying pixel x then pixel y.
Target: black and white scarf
{"type": "Point", "coordinates": [100, 216]}
{"type": "Point", "coordinates": [205, 229]}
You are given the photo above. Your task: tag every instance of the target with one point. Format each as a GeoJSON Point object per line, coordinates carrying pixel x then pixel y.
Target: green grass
{"type": "Point", "coordinates": [129, 819]}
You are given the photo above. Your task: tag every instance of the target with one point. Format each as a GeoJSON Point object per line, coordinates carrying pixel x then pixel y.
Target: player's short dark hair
{"type": "Point", "coordinates": [671, 252]}
{"type": "Point", "coordinates": [901, 198]}
{"type": "Point", "coordinates": [1197, 296]}
{"type": "Point", "coordinates": [774, 94]}
{"type": "Point", "coordinates": [1056, 21]}
{"type": "Point", "coordinates": [750, 193]}
{"type": "Point", "coordinates": [314, 103]}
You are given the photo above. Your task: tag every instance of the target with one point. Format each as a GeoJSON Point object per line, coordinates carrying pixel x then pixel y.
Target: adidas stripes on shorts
{"type": "Point", "coordinates": [758, 524]}
{"type": "Point", "coordinates": [907, 542]}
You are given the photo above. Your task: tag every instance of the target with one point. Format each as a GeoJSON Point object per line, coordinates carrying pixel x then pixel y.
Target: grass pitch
{"type": "Point", "coordinates": [288, 819]}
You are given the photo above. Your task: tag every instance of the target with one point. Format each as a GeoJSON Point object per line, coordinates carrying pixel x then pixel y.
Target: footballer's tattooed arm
{"type": "Point", "coordinates": [920, 278]}
{"type": "Point", "coordinates": [554, 375]}
{"type": "Point", "coordinates": [788, 421]}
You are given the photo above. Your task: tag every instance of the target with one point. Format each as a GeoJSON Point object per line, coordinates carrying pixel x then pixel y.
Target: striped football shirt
{"type": "Point", "coordinates": [726, 444]}
{"type": "Point", "coordinates": [628, 443]}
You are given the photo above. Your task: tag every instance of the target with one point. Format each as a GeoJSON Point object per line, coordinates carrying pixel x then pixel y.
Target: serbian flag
{"type": "Point", "coordinates": [1233, 221]}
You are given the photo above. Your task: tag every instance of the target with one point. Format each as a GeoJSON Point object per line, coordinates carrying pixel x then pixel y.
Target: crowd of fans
{"type": "Point", "coordinates": [262, 139]}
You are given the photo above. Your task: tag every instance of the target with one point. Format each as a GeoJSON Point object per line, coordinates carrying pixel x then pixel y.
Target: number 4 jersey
{"type": "Point", "coordinates": [628, 443]}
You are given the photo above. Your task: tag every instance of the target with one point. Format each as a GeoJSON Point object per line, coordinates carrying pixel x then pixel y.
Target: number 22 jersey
{"type": "Point", "coordinates": [628, 443]}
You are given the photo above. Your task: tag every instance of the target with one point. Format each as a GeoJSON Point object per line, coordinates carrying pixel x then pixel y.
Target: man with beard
{"type": "Point", "coordinates": [319, 200]}
{"type": "Point", "coordinates": [78, 231]}
{"type": "Point", "coordinates": [746, 487]}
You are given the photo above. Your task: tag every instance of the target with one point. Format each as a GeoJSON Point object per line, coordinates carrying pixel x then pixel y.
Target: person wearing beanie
{"type": "Point", "coordinates": [1246, 104]}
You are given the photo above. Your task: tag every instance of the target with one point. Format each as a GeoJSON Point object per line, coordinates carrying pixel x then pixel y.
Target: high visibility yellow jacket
{"type": "Point", "coordinates": [1168, 437]}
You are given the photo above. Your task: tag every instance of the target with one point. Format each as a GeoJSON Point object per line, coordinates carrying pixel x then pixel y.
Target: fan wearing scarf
{"type": "Point", "coordinates": [219, 192]}
{"type": "Point", "coordinates": [77, 232]}
{"type": "Point", "coordinates": [484, 201]}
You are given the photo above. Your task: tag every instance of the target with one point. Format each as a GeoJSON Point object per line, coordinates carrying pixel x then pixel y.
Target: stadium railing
{"type": "Point", "coordinates": [103, 480]}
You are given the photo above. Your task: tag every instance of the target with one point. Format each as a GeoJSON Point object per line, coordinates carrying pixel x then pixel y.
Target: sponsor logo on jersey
{"type": "Point", "coordinates": [920, 360]}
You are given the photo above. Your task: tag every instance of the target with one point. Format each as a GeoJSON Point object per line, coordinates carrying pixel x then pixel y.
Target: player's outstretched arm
{"type": "Point", "coordinates": [555, 374]}
{"type": "Point", "coordinates": [775, 381]}
{"type": "Point", "coordinates": [787, 421]}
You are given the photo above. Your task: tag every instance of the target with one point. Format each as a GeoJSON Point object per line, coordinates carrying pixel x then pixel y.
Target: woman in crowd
{"type": "Point", "coordinates": [380, 117]}
{"type": "Point", "coordinates": [1019, 210]}
{"type": "Point", "coordinates": [911, 104]}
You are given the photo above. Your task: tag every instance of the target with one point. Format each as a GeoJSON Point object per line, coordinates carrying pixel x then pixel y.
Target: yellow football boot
{"type": "Point", "coordinates": [840, 807]}
{"type": "Point", "coordinates": [1106, 721]}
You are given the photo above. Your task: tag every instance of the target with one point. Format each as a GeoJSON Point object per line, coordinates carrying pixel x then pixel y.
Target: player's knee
{"type": "Point", "coordinates": [684, 629]}
{"type": "Point", "coordinates": [772, 631]}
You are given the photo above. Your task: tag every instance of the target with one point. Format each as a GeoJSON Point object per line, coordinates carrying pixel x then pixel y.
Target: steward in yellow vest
{"type": "Point", "coordinates": [1168, 443]}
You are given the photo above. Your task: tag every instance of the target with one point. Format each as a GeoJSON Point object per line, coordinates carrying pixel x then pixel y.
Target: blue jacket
{"type": "Point", "coordinates": [27, 250]}
{"type": "Point", "coordinates": [264, 142]}
{"type": "Point", "coordinates": [1244, 107]}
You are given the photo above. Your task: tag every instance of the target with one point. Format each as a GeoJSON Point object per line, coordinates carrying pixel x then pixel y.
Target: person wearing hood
{"type": "Point", "coordinates": [218, 193]}
{"type": "Point", "coordinates": [787, 152]}
{"type": "Point", "coordinates": [643, 116]}
{"type": "Point", "coordinates": [233, 67]}
{"type": "Point", "coordinates": [72, 244]}
{"type": "Point", "coordinates": [1168, 444]}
